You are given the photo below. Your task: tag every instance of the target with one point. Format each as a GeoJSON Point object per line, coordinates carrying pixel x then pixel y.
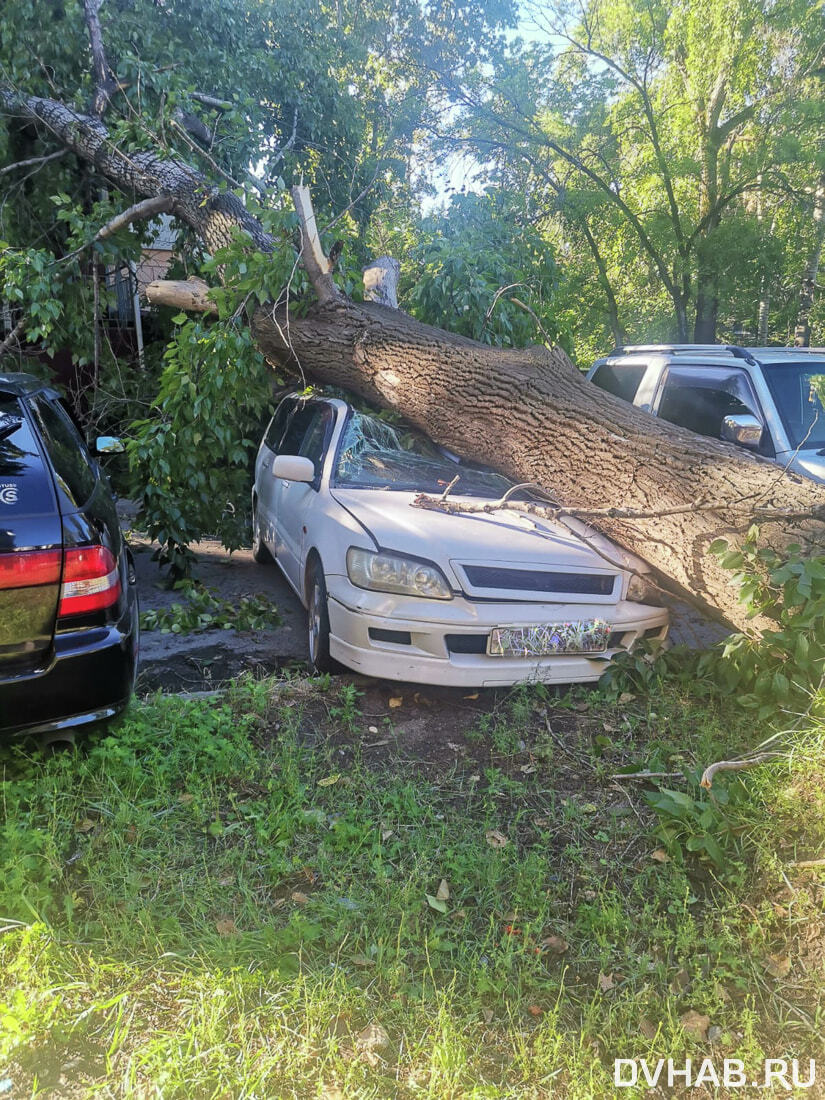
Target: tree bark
{"type": "Point", "coordinates": [533, 416]}
{"type": "Point", "coordinates": [802, 332]}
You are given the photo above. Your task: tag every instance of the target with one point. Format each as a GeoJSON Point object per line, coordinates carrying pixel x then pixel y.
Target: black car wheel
{"type": "Point", "coordinates": [260, 552]}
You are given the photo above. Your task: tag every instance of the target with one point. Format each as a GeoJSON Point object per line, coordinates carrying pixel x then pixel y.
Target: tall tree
{"type": "Point", "coordinates": [662, 119]}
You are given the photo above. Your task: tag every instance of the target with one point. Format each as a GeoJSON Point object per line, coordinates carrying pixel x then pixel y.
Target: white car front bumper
{"type": "Point", "coordinates": [432, 637]}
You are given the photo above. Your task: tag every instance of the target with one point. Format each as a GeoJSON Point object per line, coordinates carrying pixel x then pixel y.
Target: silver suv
{"type": "Point", "coordinates": [770, 400]}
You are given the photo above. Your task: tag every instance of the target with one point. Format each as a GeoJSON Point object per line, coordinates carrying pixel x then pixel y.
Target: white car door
{"type": "Point", "coordinates": [306, 435]}
{"type": "Point", "coordinates": [265, 484]}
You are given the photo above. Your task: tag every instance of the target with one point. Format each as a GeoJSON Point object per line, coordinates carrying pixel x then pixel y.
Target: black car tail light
{"type": "Point", "coordinates": [90, 581]}
{"type": "Point", "coordinates": [30, 568]}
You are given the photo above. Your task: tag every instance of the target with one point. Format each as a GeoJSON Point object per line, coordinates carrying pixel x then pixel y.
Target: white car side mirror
{"type": "Point", "coordinates": [294, 468]}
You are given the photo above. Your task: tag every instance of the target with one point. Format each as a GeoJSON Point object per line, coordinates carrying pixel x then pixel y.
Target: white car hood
{"type": "Point", "coordinates": [501, 536]}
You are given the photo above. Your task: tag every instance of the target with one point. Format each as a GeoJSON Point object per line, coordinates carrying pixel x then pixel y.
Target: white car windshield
{"type": "Point", "coordinates": [799, 392]}
{"type": "Point", "coordinates": [374, 454]}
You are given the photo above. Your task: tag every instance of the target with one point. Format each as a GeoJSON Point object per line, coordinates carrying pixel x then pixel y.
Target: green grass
{"type": "Point", "coordinates": [218, 899]}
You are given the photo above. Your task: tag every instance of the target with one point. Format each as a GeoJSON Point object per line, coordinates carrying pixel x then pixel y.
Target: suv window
{"type": "Point", "coordinates": [799, 392]}
{"type": "Point", "coordinates": [70, 457]}
{"type": "Point", "coordinates": [621, 379]}
{"type": "Point", "coordinates": [700, 398]}
{"type": "Point", "coordinates": [25, 483]}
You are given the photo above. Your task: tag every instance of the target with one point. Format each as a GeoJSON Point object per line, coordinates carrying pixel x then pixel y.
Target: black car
{"type": "Point", "coordinates": [68, 602]}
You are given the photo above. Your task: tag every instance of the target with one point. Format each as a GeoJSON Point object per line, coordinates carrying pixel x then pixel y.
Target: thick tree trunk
{"type": "Point", "coordinates": [707, 309]}
{"type": "Point", "coordinates": [802, 332]}
{"type": "Point", "coordinates": [533, 416]}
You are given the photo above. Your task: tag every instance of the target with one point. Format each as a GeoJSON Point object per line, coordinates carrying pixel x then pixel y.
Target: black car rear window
{"type": "Point", "coordinates": [67, 450]}
{"type": "Point", "coordinates": [25, 482]}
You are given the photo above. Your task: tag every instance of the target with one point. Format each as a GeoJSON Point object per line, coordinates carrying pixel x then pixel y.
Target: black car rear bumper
{"type": "Point", "coordinates": [90, 677]}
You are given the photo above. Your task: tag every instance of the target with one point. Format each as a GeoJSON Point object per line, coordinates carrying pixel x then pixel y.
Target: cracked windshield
{"type": "Point", "coordinates": [377, 455]}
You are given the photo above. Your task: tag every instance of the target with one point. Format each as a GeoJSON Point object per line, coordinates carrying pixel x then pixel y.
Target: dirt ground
{"type": "Point", "coordinates": [197, 662]}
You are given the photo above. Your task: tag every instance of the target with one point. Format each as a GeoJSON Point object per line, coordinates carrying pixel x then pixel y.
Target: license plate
{"type": "Point", "coordinates": [549, 639]}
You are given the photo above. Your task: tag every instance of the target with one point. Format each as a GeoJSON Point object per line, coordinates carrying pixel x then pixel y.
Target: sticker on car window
{"type": "Point", "coordinates": [8, 493]}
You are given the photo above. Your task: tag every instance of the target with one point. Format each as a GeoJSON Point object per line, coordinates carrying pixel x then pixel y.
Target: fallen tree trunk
{"type": "Point", "coordinates": [533, 416]}
{"type": "Point", "coordinates": [528, 413]}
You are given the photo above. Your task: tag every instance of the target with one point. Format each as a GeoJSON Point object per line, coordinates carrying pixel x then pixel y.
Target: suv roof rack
{"type": "Point", "coordinates": [688, 349]}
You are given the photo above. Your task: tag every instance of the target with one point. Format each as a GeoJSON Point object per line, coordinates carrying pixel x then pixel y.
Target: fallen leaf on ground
{"type": "Point", "coordinates": [605, 982]}
{"type": "Point", "coordinates": [85, 826]}
{"type": "Point", "coordinates": [396, 701]}
{"type": "Point", "coordinates": [131, 834]}
{"type": "Point", "coordinates": [535, 1010]}
{"type": "Point", "coordinates": [372, 729]}
{"type": "Point", "coordinates": [778, 966]}
{"type": "Point", "coordinates": [330, 779]}
{"type": "Point", "coordinates": [386, 834]}
{"type": "Point", "coordinates": [473, 696]}
{"type": "Point", "coordinates": [373, 1037]}
{"type": "Point", "coordinates": [527, 769]}
{"type": "Point", "coordinates": [496, 839]}
{"type": "Point", "coordinates": [436, 903]}
{"type": "Point", "coordinates": [696, 1023]}
{"type": "Point", "coordinates": [186, 798]}
{"type": "Point", "coordinates": [226, 927]}
{"type": "Point", "coordinates": [443, 891]}
{"type": "Point", "coordinates": [626, 697]}
{"type": "Point", "coordinates": [660, 855]}
{"type": "Point", "coordinates": [555, 944]}
{"type": "Point", "coordinates": [299, 898]}
{"type": "Point", "coordinates": [487, 1014]}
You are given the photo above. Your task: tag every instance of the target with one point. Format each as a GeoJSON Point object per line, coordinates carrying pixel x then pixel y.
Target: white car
{"type": "Point", "coordinates": [397, 591]}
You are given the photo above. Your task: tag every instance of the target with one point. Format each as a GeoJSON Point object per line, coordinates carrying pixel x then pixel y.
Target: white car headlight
{"type": "Point", "coordinates": [383, 572]}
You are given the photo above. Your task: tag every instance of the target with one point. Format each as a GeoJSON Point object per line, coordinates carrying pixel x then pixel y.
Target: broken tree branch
{"type": "Point", "coordinates": [556, 512]}
{"type": "Point", "coordinates": [32, 161]}
{"type": "Point", "coordinates": [734, 766]}
{"type": "Point", "coordinates": [141, 211]}
{"type": "Point", "coordinates": [318, 267]}
{"type": "Point", "coordinates": [13, 337]}
{"type": "Point", "coordinates": [105, 81]}
{"type": "Point", "coordinates": [190, 294]}
{"type": "Point", "coordinates": [211, 101]}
